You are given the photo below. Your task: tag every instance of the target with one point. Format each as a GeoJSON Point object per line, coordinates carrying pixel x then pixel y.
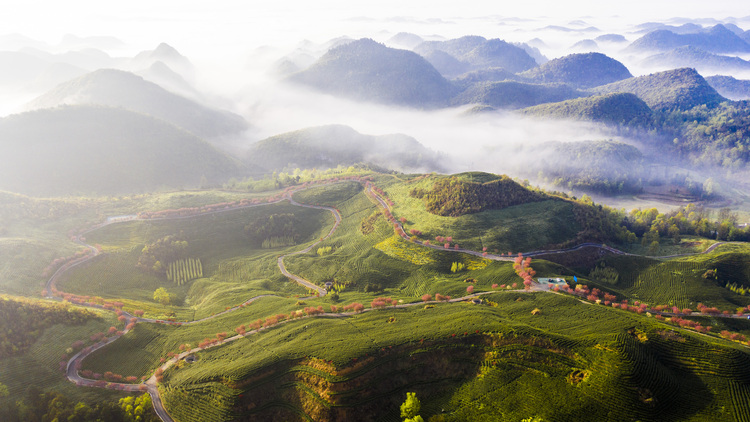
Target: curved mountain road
{"type": "Point", "coordinates": [150, 385]}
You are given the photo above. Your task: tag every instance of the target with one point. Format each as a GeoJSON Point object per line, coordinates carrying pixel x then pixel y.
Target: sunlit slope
{"type": "Point", "coordinates": [86, 149]}
{"type": "Point", "coordinates": [467, 362]}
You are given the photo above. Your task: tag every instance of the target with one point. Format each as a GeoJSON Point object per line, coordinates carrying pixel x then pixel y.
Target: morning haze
{"type": "Point", "coordinates": [339, 212]}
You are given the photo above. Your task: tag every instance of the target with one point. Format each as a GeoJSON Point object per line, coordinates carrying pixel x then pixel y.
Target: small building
{"type": "Point", "coordinates": [552, 281]}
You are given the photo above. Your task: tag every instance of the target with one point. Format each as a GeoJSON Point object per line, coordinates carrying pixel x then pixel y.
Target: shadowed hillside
{"type": "Point", "coordinates": [718, 39]}
{"type": "Point", "coordinates": [510, 94]}
{"type": "Point", "coordinates": [334, 145]}
{"type": "Point", "coordinates": [673, 89]}
{"type": "Point", "coordinates": [620, 109]}
{"type": "Point", "coordinates": [481, 53]}
{"type": "Point", "coordinates": [116, 88]}
{"type": "Point", "coordinates": [368, 71]}
{"type": "Point", "coordinates": [84, 149]}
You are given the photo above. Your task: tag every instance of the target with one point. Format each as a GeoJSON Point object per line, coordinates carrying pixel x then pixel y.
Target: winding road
{"type": "Point", "coordinates": [150, 385]}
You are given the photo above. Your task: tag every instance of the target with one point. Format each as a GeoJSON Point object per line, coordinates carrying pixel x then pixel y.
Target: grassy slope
{"type": "Point", "coordinates": [522, 381]}
{"type": "Point", "coordinates": [515, 229]}
{"type": "Point", "coordinates": [405, 271]}
{"type": "Point", "coordinates": [234, 270]}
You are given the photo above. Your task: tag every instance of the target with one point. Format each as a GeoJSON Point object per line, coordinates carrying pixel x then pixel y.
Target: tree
{"type": "Point", "coordinates": [161, 296]}
{"type": "Point", "coordinates": [410, 408]}
{"type": "Point", "coordinates": [3, 390]}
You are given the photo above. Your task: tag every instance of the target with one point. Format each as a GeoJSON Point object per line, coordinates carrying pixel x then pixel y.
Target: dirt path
{"type": "Point", "coordinates": [150, 385]}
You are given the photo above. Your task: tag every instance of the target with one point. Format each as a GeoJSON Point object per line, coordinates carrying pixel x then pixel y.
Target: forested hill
{"type": "Point", "coordinates": [619, 109]}
{"type": "Point", "coordinates": [86, 150]}
{"type": "Point", "coordinates": [369, 71]}
{"type": "Point", "coordinates": [581, 70]}
{"type": "Point", "coordinates": [680, 89]}
{"type": "Point", "coordinates": [476, 52]}
{"type": "Point", "coordinates": [461, 194]}
{"type": "Point", "coordinates": [511, 94]}
{"type": "Point", "coordinates": [334, 145]}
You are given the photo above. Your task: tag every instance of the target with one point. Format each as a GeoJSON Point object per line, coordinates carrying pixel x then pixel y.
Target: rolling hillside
{"type": "Point", "coordinates": [717, 39]}
{"type": "Point", "coordinates": [481, 53]}
{"type": "Point", "coordinates": [86, 150]}
{"type": "Point", "coordinates": [673, 89]}
{"type": "Point", "coordinates": [701, 60]}
{"type": "Point", "coordinates": [368, 71]}
{"type": "Point", "coordinates": [117, 88]}
{"type": "Point", "coordinates": [729, 87]}
{"type": "Point", "coordinates": [583, 70]}
{"type": "Point", "coordinates": [334, 145]}
{"type": "Point", "coordinates": [619, 109]}
{"type": "Point", "coordinates": [512, 95]}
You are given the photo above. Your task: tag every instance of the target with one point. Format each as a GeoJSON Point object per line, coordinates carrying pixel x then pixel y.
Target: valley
{"type": "Point", "coordinates": [335, 212]}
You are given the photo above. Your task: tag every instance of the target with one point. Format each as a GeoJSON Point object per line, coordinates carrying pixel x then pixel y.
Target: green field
{"type": "Point", "coordinates": [494, 361]}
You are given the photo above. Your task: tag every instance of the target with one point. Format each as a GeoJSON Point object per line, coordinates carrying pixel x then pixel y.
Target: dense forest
{"type": "Point", "coordinates": [50, 406]}
{"type": "Point", "coordinates": [454, 196]}
{"type": "Point", "coordinates": [274, 230]}
{"type": "Point", "coordinates": [156, 257]}
{"type": "Point", "coordinates": [23, 321]}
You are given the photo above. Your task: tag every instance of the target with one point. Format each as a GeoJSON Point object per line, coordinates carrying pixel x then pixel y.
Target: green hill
{"type": "Point", "coordinates": [584, 70]}
{"type": "Point", "coordinates": [619, 109]}
{"type": "Point", "coordinates": [673, 89]}
{"type": "Point", "coordinates": [480, 53]}
{"type": "Point", "coordinates": [116, 88]}
{"type": "Point", "coordinates": [334, 145]}
{"type": "Point", "coordinates": [717, 39]}
{"type": "Point", "coordinates": [368, 71]}
{"type": "Point", "coordinates": [461, 195]}
{"type": "Point", "coordinates": [85, 149]}
{"type": "Point", "coordinates": [511, 94]}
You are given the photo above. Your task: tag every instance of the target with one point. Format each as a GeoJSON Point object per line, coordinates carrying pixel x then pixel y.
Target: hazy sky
{"type": "Point", "coordinates": [215, 25]}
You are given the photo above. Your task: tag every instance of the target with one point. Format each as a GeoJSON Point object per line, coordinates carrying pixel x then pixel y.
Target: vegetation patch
{"type": "Point", "coordinates": [454, 196]}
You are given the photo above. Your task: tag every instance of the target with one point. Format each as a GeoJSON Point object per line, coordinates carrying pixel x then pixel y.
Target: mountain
{"type": "Point", "coordinates": [100, 150]}
{"type": "Point", "coordinates": [619, 108]}
{"type": "Point", "coordinates": [162, 75]}
{"type": "Point", "coordinates": [368, 71]}
{"type": "Point", "coordinates": [480, 53]}
{"type": "Point", "coordinates": [486, 75]}
{"type": "Point", "coordinates": [586, 45]}
{"type": "Point", "coordinates": [117, 88]}
{"type": "Point", "coordinates": [701, 60]}
{"type": "Point", "coordinates": [729, 87]}
{"type": "Point", "coordinates": [686, 28]}
{"type": "Point", "coordinates": [406, 40]}
{"type": "Point", "coordinates": [511, 94]}
{"type": "Point", "coordinates": [602, 167]}
{"type": "Point", "coordinates": [718, 39]}
{"type": "Point", "coordinates": [584, 70]}
{"type": "Point", "coordinates": [680, 89]}
{"type": "Point", "coordinates": [334, 145]}
{"type": "Point", "coordinates": [611, 38]}
{"type": "Point", "coordinates": [168, 55]}
{"type": "Point", "coordinates": [447, 65]}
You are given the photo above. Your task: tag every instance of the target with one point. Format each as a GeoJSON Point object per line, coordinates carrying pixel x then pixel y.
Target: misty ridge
{"type": "Point", "coordinates": [652, 109]}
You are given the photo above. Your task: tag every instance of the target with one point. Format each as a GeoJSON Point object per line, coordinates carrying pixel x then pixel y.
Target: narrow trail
{"type": "Point", "coordinates": [150, 386]}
